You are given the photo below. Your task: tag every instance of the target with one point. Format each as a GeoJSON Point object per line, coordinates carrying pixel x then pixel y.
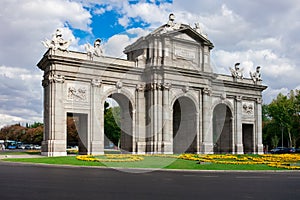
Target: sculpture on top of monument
{"type": "Point", "coordinates": [57, 42]}
{"type": "Point", "coordinates": [171, 25]}
{"type": "Point", "coordinates": [95, 50]}
{"type": "Point", "coordinates": [197, 28]}
{"type": "Point", "coordinates": [236, 72]}
{"type": "Point", "coordinates": [256, 76]}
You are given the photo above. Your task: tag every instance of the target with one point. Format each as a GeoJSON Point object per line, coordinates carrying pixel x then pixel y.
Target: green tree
{"type": "Point", "coordinates": [72, 134]}
{"type": "Point", "coordinates": [112, 123]}
{"type": "Point", "coordinates": [282, 111]}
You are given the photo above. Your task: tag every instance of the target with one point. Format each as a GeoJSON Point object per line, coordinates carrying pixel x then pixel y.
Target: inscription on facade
{"type": "Point", "coordinates": [184, 53]}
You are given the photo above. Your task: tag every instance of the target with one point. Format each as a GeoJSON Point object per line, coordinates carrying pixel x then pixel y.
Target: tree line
{"type": "Point", "coordinates": [281, 121]}
{"type": "Point", "coordinates": [28, 134]}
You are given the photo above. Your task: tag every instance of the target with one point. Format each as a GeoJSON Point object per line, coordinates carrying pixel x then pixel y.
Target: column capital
{"type": "Point", "coordinates": [140, 87]}
{"type": "Point", "coordinates": [167, 85]}
{"type": "Point", "coordinates": [259, 100]}
{"type": "Point", "coordinates": [53, 78]}
{"type": "Point", "coordinates": [239, 98]}
{"type": "Point", "coordinates": [96, 82]}
{"type": "Point", "coordinates": [207, 91]}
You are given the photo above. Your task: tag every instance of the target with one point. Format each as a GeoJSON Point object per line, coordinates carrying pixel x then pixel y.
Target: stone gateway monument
{"type": "Point", "coordinates": [171, 101]}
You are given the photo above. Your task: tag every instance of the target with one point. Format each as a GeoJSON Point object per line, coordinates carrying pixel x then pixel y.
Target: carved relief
{"type": "Point", "coordinates": [248, 108]}
{"type": "Point", "coordinates": [77, 93]}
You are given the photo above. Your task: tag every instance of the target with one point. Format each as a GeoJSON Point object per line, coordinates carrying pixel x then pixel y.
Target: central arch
{"type": "Point", "coordinates": [184, 126]}
{"type": "Point", "coordinates": [222, 129]}
{"type": "Point", "coordinates": [126, 121]}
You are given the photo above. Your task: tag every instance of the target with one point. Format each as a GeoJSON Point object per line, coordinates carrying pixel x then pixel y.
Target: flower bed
{"type": "Point", "coordinates": [110, 158]}
{"type": "Point", "coordinates": [286, 161]}
{"type": "Point", "coordinates": [283, 161]}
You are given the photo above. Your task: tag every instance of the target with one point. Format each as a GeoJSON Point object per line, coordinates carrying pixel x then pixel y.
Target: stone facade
{"type": "Point", "coordinates": [171, 101]}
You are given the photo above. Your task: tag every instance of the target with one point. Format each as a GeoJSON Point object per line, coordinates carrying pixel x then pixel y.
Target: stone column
{"type": "Point", "coordinates": [167, 133]}
{"type": "Point", "coordinates": [97, 127]}
{"type": "Point", "coordinates": [159, 120]}
{"type": "Point", "coordinates": [155, 117]}
{"type": "Point", "coordinates": [55, 140]}
{"type": "Point", "coordinates": [239, 125]}
{"type": "Point", "coordinates": [140, 120]}
{"type": "Point", "coordinates": [207, 144]}
{"type": "Point", "coordinates": [259, 144]}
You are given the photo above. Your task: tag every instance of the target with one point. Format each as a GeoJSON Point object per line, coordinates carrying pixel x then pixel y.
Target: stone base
{"type": "Point", "coordinates": [97, 148]}
{"type": "Point", "coordinates": [54, 148]}
{"type": "Point", "coordinates": [260, 149]}
{"type": "Point", "coordinates": [141, 147]}
{"type": "Point", "coordinates": [167, 148]}
{"type": "Point", "coordinates": [207, 148]}
{"type": "Point", "coordinates": [239, 149]}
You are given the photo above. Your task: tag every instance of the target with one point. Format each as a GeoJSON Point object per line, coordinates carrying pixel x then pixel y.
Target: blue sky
{"type": "Point", "coordinates": [252, 32]}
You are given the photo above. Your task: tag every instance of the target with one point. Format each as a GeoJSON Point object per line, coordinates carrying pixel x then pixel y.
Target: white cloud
{"type": "Point", "coordinates": [257, 32]}
{"type": "Point", "coordinates": [270, 94]}
{"type": "Point", "coordinates": [24, 24]}
{"type": "Point", "coordinates": [116, 44]}
{"type": "Point", "coordinates": [8, 119]}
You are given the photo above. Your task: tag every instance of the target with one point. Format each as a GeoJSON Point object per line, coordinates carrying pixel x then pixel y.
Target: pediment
{"type": "Point", "coordinates": [184, 36]}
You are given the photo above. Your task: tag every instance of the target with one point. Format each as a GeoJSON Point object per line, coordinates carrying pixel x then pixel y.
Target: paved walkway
{"type": "Point", "coordinates": [20, 156]}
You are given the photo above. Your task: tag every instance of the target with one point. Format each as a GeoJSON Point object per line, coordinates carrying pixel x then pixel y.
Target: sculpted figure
{"type": "Point", "coordinates": [197, 27]}
{"type": "Point", "coordinates": [236, 72]}
{"type": "Point", "coordinates": [57, 42]}
{"type": "Point", "coordinates": [171, 25]}
{"type": "Point", "coordinates": [256, 76]}
{"type": "Point", "coordinates": [95, 50]}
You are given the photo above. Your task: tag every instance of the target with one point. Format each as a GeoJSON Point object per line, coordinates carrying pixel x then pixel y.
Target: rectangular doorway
{"type": "Point", "coordinates": [248, 138]}
{"type": "Point", "coordinates": [77, 132]}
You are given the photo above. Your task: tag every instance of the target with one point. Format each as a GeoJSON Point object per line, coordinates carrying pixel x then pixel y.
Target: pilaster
{"type": "Point", "coordinates": [239, 126]}
{"type": "Point", "coordinates": [259, 145]}
{"type": "Point", "coordinates": [207, 144]}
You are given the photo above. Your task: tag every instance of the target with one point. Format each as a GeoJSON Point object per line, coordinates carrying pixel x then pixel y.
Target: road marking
{"type": "Point", "coordinates": [252, 177]}
{"type": "Point", "coordinates": [210, 176]}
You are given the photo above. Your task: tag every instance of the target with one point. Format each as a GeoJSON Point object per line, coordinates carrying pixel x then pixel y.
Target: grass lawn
{"type": "Point", "coordinates": [64, 160]}
{"type": "Point", "coordinates": [148, 162]}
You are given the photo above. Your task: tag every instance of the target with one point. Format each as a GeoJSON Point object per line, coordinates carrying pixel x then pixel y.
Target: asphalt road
{"type": "Point", "coordinates": [24, 182]}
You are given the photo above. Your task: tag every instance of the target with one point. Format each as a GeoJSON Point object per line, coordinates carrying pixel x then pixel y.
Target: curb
{"type": "Point", "coordinates": [145, 170]}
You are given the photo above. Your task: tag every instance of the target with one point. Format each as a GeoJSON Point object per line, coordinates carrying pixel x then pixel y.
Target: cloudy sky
{"type": "Point", "coordinates": [252, 32]}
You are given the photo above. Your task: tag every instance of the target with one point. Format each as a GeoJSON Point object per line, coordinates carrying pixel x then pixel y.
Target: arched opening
{"type": "Point", "coordinates": [184, 126]}
{"type": "Point", "coordinates": [118, 123]}
{"type": "Point", "coordinates": [222, 129]}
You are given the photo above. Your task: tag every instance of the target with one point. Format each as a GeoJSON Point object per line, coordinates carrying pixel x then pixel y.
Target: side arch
{"type": "Point", "coordinates": [185, 120]}
{"type": "Point", "coordinates": [188, 95]}
{"type": "Point", "coordinates": [222, 129]}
